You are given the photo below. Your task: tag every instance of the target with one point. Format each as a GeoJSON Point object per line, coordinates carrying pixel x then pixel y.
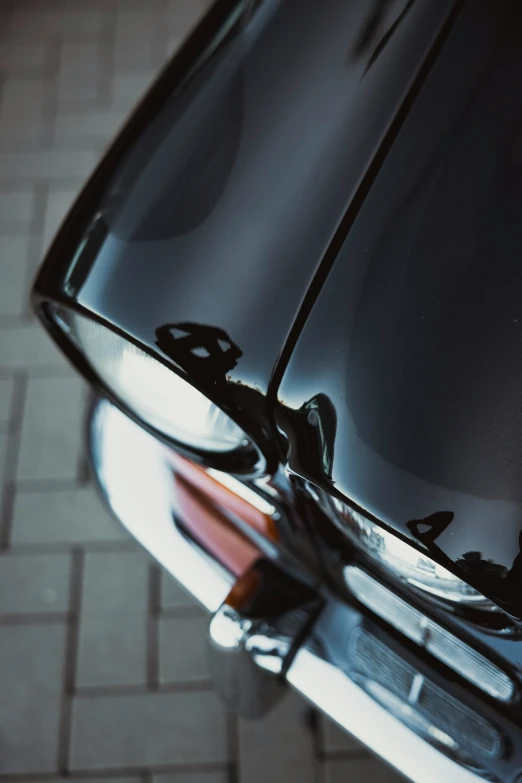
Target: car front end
{"type": "Point", "coordinates": [299, 394]}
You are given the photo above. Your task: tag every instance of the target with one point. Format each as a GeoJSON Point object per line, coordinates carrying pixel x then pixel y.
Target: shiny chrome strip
{"type": "Point", "coordinates": [137, 484]}
{"type": "Point", "coordinates": [340, 698]}
{"type": "Point", "coordinates": [241, 489]}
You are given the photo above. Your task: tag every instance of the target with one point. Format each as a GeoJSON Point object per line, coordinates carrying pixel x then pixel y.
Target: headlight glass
{"type": "Point", "coordinates": [153, 391]}
{"type": "Point", "coordinates": [412, 567]}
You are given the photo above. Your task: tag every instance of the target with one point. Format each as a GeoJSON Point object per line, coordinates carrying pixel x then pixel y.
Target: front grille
{"type": "Point", "coordinates": [376, 661]}
{"type": "Point", "coordinates": [419, 702]}
{"type": "Point", "coordinates": [442, 644]}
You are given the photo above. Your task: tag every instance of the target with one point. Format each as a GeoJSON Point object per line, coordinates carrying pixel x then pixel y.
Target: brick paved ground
{"type": "Point", "coordinates": [102, 665]}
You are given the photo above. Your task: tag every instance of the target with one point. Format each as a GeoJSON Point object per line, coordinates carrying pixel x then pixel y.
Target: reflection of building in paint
{"type": "Point", "coordinates": [320, 414]}
{"type": "Point", "coordinates": [427, 530]}
{"type": "Point", "coordinates": [205, 353]}
{"type": "Point", "coordinates": [311, 432]}
{"type": "Point", "coordinates": [383, 20]}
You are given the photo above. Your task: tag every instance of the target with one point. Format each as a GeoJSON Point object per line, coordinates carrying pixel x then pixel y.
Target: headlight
{"type": "Point", "coordinates": [405, 562]}
{"type": "Point", "coordinates": [153, 391]}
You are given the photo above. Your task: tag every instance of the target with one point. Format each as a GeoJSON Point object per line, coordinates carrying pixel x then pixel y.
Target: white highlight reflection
{"type": "Point", "coordinates": [343, 700]}
{"type": "Point", "coordinates": [139, 487]}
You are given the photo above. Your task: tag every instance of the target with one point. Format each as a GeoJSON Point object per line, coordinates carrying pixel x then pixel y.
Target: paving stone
{"type": "Point", "coordinates": [52, 436]}
{"type": "Point", "coordinates": [37, 7]}
{"type": "Point", "coordinates": [24, 59]}
{"type": "Point", "coordinates": [220, 776]}
{"type": "Point", "coordinates": [278, 747]}
{"type": "Point", "coordinates": [153, 6]}
{"type": "Point", "coordinates": [173, 596]}
{"type": "Point", "coordinates": [14, 254]}
{"type": "Point", "coordinates": [29, 25]}
{"type": "Point", "coordinates": [79, 78]}
{"type": "Point", "coordinates": [113, 620]}
{"type": "Point", "coordinates": [82, 125]}
{"type": "Point", "coordinates": [4, 441]}
{"type": "Point", "coordinates": [29, 346]}
{"type": "Point", "coordinates": [72, 516]}
{"type": "Point", "coordinates": [31, 662]}
{"type": "Point", "coordinates": [88, 6]}
{"type": "Point", "coordinates": [6, 399]}
{"type": "Point", "coordinates": [47, 164]}
{"type": "Point", "coordinates": [368, 769]}
{"type": "Point", "coordinates": [334, 739]}
{"type": "Point", "coordinates": [183, 649]}
{"type": "Point", "coordinates": [97, 779]}
{"type": "Point", "coordinates": [128, 88]}
{"type": "Point", "coordinates": [184, 14]}
{"type": "Point", "coordinates": [3, 454]}
{"type": "Point", "coordinates": [174, 41]}
{"type": "Point", "coordinates": [22, 109]}
{"type": "Point", "coordinates": [34, 583]}
{"type": "Point", "coordinates": [137, 31]}
{"type": "Point", "coordinates": [148, 730]}
{"type": "Point", "coordinates": [58, 204]}
{"type": "Point", "coordinates": [16, 209]}
{"type": "Point", "coordinates": [5, 16]}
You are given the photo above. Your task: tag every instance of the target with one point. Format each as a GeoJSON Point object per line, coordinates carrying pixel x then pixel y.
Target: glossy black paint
{"type": "Point", "coordinates": [416, 337]}
{"type": "Point", "coordinates": [215, 206]}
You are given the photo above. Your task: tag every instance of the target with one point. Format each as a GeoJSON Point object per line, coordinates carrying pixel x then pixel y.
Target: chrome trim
{"type": "Point", "coordinates": [246, 684]}
{"type": "Point", "coordinates": [249, 654]}
{"type": "Point", "coordinates": [328, 688]}
{"type": "Point", "coordinates": [394, 554]}
{"type": "Point", "coordinates": [243, 491]}
{"type": "Point", "coordinates": [137, 484]}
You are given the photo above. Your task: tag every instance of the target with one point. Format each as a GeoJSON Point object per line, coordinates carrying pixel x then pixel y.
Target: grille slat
{"type": "Point", "coordinates": [439, 642]}
{"type": "Point", "coordinates": [442, 714]}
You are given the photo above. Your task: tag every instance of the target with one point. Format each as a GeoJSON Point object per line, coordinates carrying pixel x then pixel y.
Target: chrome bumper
{"type": "Point", "coordinates": [137, 484]}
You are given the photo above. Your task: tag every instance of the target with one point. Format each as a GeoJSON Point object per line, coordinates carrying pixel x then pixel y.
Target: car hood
{"type": "Point", "coordinates": [213, 209]}
{"type": "Point", "coordinates": [413, 411]}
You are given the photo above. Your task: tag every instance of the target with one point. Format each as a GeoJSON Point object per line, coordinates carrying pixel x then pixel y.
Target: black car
{"type": "Point", "coordinates": [295, 285]}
